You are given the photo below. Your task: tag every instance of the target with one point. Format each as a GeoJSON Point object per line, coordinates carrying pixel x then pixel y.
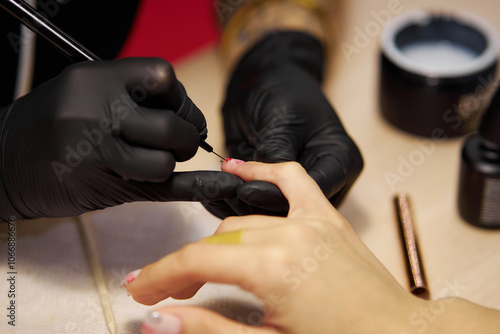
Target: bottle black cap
{"type": "Point", "coordinates": [489, 126]}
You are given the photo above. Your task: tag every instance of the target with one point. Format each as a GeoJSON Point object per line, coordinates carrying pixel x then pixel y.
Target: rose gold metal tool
{"type": "Point", "coordinates": [416, 275]}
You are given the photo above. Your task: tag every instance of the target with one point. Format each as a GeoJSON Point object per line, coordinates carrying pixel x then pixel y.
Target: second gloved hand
{"type": "Point", "coordinates": [102, 134]}
{"type": "Point", "coordinates": [275, 111]}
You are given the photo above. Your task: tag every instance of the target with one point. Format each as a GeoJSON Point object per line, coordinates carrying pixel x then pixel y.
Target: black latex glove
{"type": "Point", "coordinates": [102, 134]}
{"type": "Point", "coordinates": [275, 111]}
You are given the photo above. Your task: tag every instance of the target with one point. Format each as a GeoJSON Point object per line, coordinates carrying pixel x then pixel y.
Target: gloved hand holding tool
{"type": "Point", "coordinates": [101, 134]}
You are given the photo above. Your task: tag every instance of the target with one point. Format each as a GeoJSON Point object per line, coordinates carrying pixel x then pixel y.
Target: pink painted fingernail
{"type": "Point", "coordinates": [161, 323]}
{"type": "Point", "coordinates": [131, 276]}
{"type": "Point", "coordinates": [234, 161]}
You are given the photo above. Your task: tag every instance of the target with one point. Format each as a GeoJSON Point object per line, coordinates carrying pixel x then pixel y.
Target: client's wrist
{"type": "Point", "coordinates": [451, 315]}
{"type": "Point", "coordinates": [400, 315]}
{"type": "Point", "coordinates": [455, 315]}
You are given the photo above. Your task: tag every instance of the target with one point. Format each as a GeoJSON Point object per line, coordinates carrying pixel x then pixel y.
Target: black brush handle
{"type": "Point", "coordinates": [43, 27]}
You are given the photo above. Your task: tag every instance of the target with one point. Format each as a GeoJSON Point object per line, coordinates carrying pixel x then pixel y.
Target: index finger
{"type": "Point", "coordinates": [199, 262]}
{"type": "Point", "coordinates": [152, 83]}
{"type": "Point", "coordinates": [199, 186]}
{"type": "Point", "coordinates": [303, 194]}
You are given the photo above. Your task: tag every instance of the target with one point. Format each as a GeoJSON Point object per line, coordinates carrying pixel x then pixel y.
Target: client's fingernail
{"type": "Point", "coordinates": [161, 323]}
{"type": "Point", "coordinates": [234, 161]}
{"type": "Point", "coordinates": [130, 277]}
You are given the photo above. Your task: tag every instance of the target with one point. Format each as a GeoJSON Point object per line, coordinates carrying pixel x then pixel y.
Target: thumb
{"type": "Point", "coordinates": [195, 320]}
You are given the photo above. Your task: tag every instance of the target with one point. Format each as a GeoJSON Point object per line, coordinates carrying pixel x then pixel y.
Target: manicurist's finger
{"type": "Point", "coordinates": [152, 83]}
{"type": "Point", "coordinates": [264, 195]}
{"type": "Point", "coordinates": [195, 320]}
{"type": "Point", "coordinates": [304, 196]}
{"type": "Point", "coordinates": [161, 130]}
{"type": "Point", "coordinates": [187, 186]}
{"type": "Point", "coordinates": [140, 164]}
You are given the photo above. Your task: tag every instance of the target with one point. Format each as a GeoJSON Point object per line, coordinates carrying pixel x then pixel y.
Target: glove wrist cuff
{"type": "Point", "coordinates": [255, 19]}
{"type": "Point", "coordinates": [282, 47]}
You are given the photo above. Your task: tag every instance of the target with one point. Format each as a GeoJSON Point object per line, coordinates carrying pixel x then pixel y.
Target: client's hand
{"type": "Point", "coordinates": [313, 274]}
{"type": "Point", "coordinates": [310, 269]}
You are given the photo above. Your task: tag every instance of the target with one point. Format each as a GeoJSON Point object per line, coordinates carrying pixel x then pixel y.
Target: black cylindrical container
{"type": "Point", "coordinates": [436, 71]}
{"type": "Point", "coordinates": [479, 185]}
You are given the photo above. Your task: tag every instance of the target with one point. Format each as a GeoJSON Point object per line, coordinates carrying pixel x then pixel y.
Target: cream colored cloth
{"type": "Point", "coordinates": [55, 291]}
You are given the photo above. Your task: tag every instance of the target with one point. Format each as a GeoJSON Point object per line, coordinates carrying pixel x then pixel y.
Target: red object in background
{"type": "Point", "coordinates": [171, 29]}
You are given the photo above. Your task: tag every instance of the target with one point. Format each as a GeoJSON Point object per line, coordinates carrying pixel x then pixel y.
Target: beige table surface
{"type": "Point", "coordinates": [55, 292]}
